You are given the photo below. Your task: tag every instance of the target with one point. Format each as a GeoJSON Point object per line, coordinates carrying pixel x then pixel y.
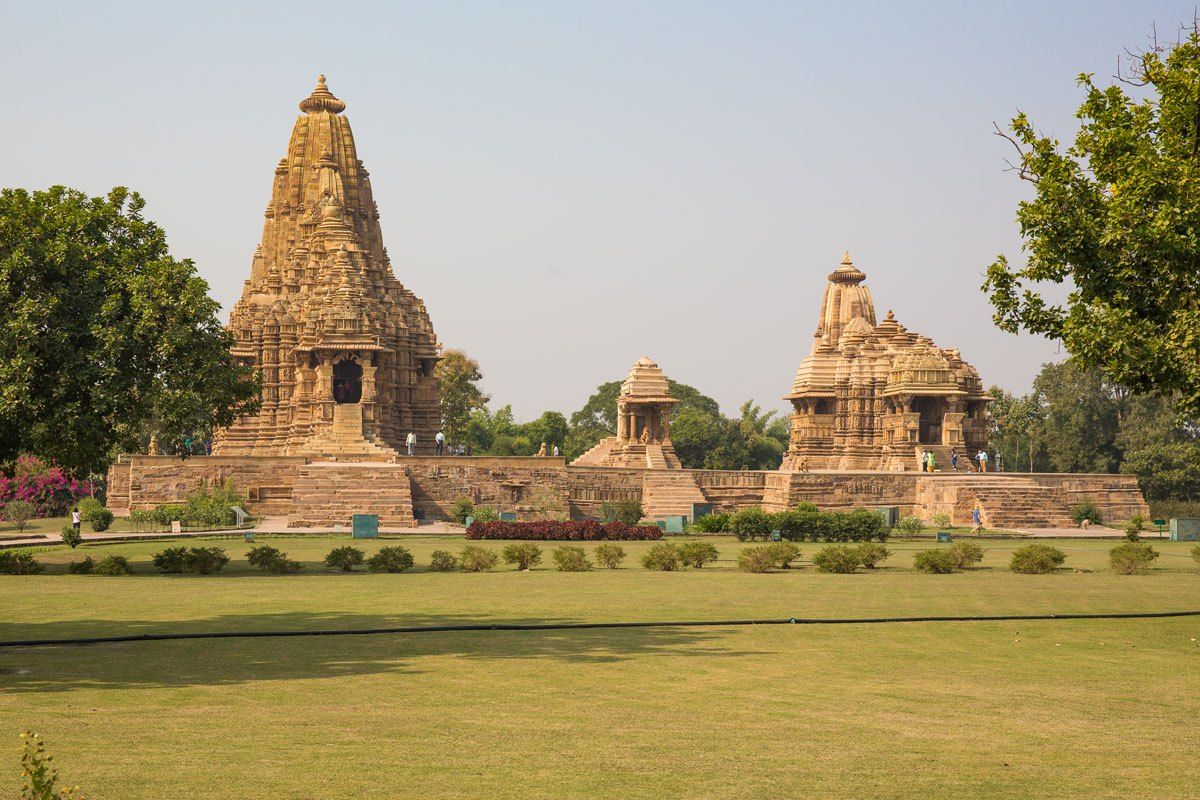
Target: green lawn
{"type": "Point", "coordinates": [1066, 709]}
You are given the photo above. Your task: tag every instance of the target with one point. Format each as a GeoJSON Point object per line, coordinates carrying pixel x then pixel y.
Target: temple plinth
{"type": "Point", "coordinates": [875, 395]}
{"type": "Point", "coordinates": [643, 437]}
{"type": "Point", "coordinates": [346, 353]}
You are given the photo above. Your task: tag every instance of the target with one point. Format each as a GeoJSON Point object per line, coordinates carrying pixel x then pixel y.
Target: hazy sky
{"type": "Point", "coordinates": [571, 185]}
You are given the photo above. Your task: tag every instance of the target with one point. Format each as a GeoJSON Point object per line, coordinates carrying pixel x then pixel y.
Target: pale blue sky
{"type": "Point", "coordinates": [572, 185]}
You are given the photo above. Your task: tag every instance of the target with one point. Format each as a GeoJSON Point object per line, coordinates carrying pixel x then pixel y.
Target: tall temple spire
{"type": "Point", "coordinates": [845, 299]}
{"type": "Point", "coordinates": [321, 99]}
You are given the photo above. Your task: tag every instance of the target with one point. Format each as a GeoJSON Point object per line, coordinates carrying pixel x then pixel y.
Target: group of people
{"type": "Point", "coordinates": [929, 461]}
{"type": "Point", "coordinates": [440, 447]}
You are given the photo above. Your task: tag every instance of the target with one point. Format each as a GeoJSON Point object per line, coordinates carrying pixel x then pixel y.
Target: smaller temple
{"type": "Point", "coordinates": [643, 437]}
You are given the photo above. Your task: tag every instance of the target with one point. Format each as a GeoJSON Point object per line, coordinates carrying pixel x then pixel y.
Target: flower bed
{"type": "Point", "coordinates": [573, 531]}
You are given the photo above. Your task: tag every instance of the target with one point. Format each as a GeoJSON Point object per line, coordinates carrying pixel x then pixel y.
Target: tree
{"type": "Point", "coordinates": [1081, 416]}
{"type": "Point", "coordinates": [102, 330]}
{"type": "Point", "coordinates": [1015, 425]}
{"type": "Point", "coordinates": [1116, 217]}
{"type": "Point", "coordinates": [458, 375]}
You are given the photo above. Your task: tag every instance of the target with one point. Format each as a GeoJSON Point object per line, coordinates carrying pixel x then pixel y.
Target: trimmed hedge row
{"type": "Point", "coordinates": [573, 531]}
{"type": "Point", "coordinates": [805, 524]}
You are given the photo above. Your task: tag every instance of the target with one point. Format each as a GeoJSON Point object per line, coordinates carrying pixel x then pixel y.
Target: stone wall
{"type": "Point", "coordinates": [589, 487]}
{"type": "Point", "coordinates": [138, 481]}
{"type": "Point", "coordinates": [841, 491]}
{"type": "Point", "coordinates": [731, 490]}
{"type": "Point", "coordinates": [526, 486]}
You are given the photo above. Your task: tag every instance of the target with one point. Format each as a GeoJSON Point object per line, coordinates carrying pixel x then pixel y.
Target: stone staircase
{"type": "Point", "coordinates": [669, 493]}
{"type": "Point", "coordinates": [1011, 503]}
{"type": "Point", "coordinates": [326, 494]}
{"type": "Point", "coordinates": [344, 441]}
{"type": "Point", "coordinates": [655, 458]}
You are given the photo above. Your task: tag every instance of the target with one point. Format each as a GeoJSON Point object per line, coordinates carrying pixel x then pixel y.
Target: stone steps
{"type": "Point", "coordinates": [669, 493]}
{"type": "Point", "coordinates": [655, 459]}
{"type": "Point", "coordinates": [328, 494]}
{"type": "Point", "coordinates": [343, 440]}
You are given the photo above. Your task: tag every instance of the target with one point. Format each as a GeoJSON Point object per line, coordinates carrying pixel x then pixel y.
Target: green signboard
{"type": "Point", "coordinates": [365, 526]}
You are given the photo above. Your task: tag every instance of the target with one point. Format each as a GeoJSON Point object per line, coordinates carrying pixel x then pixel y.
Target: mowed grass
{"type": "Point", "coordinates": [1063, 709]}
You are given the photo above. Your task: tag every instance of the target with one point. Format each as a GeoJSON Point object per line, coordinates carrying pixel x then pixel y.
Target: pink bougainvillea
{"type": "Point", "coordinates": [47, 487]}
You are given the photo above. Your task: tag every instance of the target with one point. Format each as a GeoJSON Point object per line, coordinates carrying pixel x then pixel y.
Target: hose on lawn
{"type": "Point", "coordinates": [572, 626]}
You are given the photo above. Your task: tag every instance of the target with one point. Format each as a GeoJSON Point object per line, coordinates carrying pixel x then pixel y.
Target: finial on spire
{"type": "Point", "coordinates": [846, 259]}
{"type": "Point", "coordinates": [321, 99]}
{"type": "Point", "coordinates": [847, 272]}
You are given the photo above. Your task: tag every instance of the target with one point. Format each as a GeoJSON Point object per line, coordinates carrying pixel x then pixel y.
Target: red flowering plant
{"type": "Point", "coordinates": [50, 490]}
{"type": "Point", "coordinates": [552, 530]}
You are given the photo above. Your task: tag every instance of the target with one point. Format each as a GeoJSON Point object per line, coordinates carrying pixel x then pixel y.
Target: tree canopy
{"type": "Point", "coordinates": [458, 392]}
{"type": "Point", "coordinates": [103, 333]}
{"type": "Point", "coordinates": [1116, 218]}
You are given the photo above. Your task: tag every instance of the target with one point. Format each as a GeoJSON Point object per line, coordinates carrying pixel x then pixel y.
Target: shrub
{"type": "Point", "coordinates": [1134, 527]}
{"type": "Point", "coordinates": [172, 560]}
{"type": "Point", "coordinates": [263, 555]}
{"type": "Point", "coordinates": [697, 554]}
{"type": "Point", "coordinates": [1196, 553]}
{"type": "Point", "coordinates": [474, 558]}
{"type": "Point", "coordinates": [345, 558]}
{"type": "Point", "coordinates": [626, 511]}
{"type": "Point", "coordinates": [556, 530]}
{"type": "Point", "coordinates": [756, 559]}
{"type": "Point", "coordinates": [484, 514]}
{"type": "Point", "coordinates": [750, 524]}
{"type": "Point", "coordinates": [663, 557]}
{"type": "Point", "coordinates": [966, 554]}
{"type": "Point", "coordinates": [807, 507]}
{"type": "Point", "coordinates": [284, 566]}
{"type": "Point", "coordinates": [390, 559]}
{"type": "Point", "coordinates": [939, 561]}
{"type": "Point", "coordinates": [783, 554]}
{"type": "Point", "coordinates": [839, 558]}
{"type": "Point", "coordinates": [940, 520]}
{"type": "Point", "coordinates": [523, 554]}
{"type": "Point", "coordinates": [712, 523]}
{"type": "Point", "coordinates": [206, 560]}
{"type": "Point", "coordinates": [611, 555]}
{"type": "Point", "coordinates": [872, 554]}
{"type": "Point", "coordinates": [1037, 559]}
{"type": "Point", "coordinates": [113, 565]}
{"type": "Point", "coordinates": [1086, 510]}
{"type": "Point", "coordinates": [442, 561]}
{"type": "Point", "coordinates": [571, 558]}
{"type": "Point", "coordinates": [100, 520]}
{"type": "Point", "coordinates": [71, 537]}
{"type": "Point", "coordinates": [19, 512]}
{"type": "Point", "coordinates": [86, 506]}
{"type": "Point", "coordinates": [910, 525]}
{"type": "Point", "coordinates": [462, 508]}
{"type": "Point", "coordinates": [803, 524]}
{"type": "Point", "coordinates": [1132, 558]}
{"type": "Point", "coordinates": [18, 562]}
{"type": "Point", "coordinates": [46, 487]}
{"type": "Point", "coordinates": [39, 777]}
{"type": "Point", "coordinates": [81, 567]}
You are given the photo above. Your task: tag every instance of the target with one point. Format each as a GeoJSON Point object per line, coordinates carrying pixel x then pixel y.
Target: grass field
{"type": "Point", "coordinates": [1062, 709]}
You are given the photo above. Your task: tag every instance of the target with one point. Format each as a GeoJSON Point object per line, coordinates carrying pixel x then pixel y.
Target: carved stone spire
{"type": "Point", "coordinates": [321, 99]}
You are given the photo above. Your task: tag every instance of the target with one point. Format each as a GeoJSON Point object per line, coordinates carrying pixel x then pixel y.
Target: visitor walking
{"type": "Point", "coordinates": [976, 521]}
{"type": "Point", "coordinates": [924, 461]}
{"type": "Point", "coordinates": [932, 461]}
{"type": "Point", "coordinates": [556, 451]}
{"type": "Point", "coordinates": [411, 441]}
{"type": "Point", "coordinates": [953, 459]}
{"type": "Point", "coordinates": [982, 458]}
{"type": "Point", "coordinates": [440, 439]}
{"type": "Point", "coordinates": [76, 518]}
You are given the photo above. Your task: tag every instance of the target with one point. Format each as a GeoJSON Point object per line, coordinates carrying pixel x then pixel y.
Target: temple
{"type": "Point", "coordinates": [345, 352]}
{"type": "Point", "coordinates": [874, 395]}
{"type": "Point", "coordinates": [643, 424]}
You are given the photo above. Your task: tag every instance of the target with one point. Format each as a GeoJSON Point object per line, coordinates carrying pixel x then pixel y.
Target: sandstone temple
{"type": "Point", "coordinates": [347, 354]}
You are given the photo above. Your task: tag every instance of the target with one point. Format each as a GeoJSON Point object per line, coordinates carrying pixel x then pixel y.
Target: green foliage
{"type": "Point", "coordinates": [713, 523]}
{"type": "Point", "coordinates": [697, 554]}
{"type": "Point", "coordinates": [459, 393]}
{"type": "Point", "coordinates": [100, 519]}
{"type": "Point", "coordinates": [71, 537]}
{"type": "Point", "coordinates": [113, 565]}
{"type": "Point", "coordinates": [757, 559]}
{"type": "Point", "coordinates": [966, 554]}
{"type": "Point", "coordinates": [206, 560]}
{"type": "Point", "coordinates": [783, 554]}
{"type": "Point", "coordinates": [1134, 527]}
{"type": "Point", "coordinates": [609, 555]}
{"type": "Point", "coordinates": [83, 567]}
{"type": "Point", "coordinates": [840, 558]}
{"type": "Point", "coordinates": [859, 525]}
{"type": "Point", "coordinates": [940, 520]}
{"type": "Point", "coordinates": [104, 333]}
{"type": "Point", "coordinates": [1196, 553]}
{"type": "Point", "coordinates": [496, 433]}
{"type": "Point", "coordinates": [627, 511]}
{"type": "Point", "coordinates": [19, 562]}
{"type": "Point", "coordinates": [750, 524]}
{"type": "Point", "coordinates": [663, 557]}
{"type": "Point", "coordinates": [939, 561]}
{"type": "Point", "coordinates": [571, 558]}
{"type": "Point", "coordinates": [485, 514]}
{"type": "Point", "coordinates": [345, 558]}
{"type": "Point", "coordinates": [474, 558]}
{"type": "Point", "coordinates": [1132, 558]}
{"type": "Point", "coordinates": [86, 506]}
{"type": "Point", "coordinates": [263, 555]}
{"type": "Point", "coordinates": [390, 559]}
{"type": "Point", "coordinates": [524, 554]}
{"type": "Point", "coordinates": [442, 561]}
{"type": "Point", "coordinates": [171, 560]}
{"type": "Point", "coordinates": [1037, 559]}
{"type": "Point", "coordinates": [872, 554]}
{"type": "Point", "coordinates": [39, 780]}
{"type": "Point", "coordinates": [911, 525]}
{"type": "Point", "coordinates": [463, 508]}
{"type": "Point", "coordinates": [1015, 432]}
{"type": "Point", "coordinates": [1086, 510]}
{"type": "Point", "coordinates": [19, 512]}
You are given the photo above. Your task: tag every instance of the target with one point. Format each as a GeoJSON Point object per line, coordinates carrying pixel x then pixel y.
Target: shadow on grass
{"type": "Point", "coordinates": [199, 662]}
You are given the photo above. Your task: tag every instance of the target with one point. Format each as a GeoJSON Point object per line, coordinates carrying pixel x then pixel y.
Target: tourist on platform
{"type": "Point", "coordinates": [976, 521]}
{"type": "Point", "coordinates": [555, 451]}
{"type": "Point", "coordinates": [924, 461]}
{"type": "Point", "coordinates": [76, 518]}
{"type": "Point", "coordinates": [411, 441]}
{"type": "Point", "coordinates": [440, 439]}
{"type": "Point", "coordinates": [953, 459]}
{"type": "Point", "coordinates": [932, 461]}
{"type": "Point", "coordinates": [982, 458]}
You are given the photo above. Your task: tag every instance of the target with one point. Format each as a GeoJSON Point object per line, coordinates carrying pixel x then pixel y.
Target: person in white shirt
{"type": "Point", "coordinates": [411, 441]}
{"type": "Point", "coordinates": [76, 518]}
{"type": "Point", "coordinates": [440, 441]}
{"type": "Point", "coordinates": [983, 459]}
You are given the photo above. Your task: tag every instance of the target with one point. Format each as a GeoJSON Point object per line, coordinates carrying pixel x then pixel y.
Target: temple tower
{"type": "Point", "coordinates": [643, 437]}
{"type": "Point", "coordinates": [345, 351]}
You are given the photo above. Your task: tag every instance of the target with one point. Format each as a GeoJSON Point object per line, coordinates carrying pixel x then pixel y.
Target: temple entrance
{"type": "Point", "coordinates": [931, 409]}
{"type": "Point", "coordinates": [347, 381]}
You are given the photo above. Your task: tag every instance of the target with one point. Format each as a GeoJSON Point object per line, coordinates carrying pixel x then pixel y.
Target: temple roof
{"type": "Point", "coordinates": [845, 299]}
{"type": "Point", "coordinates": [646, 383]}
{"type": "Point", "coordinates": [321, 99]}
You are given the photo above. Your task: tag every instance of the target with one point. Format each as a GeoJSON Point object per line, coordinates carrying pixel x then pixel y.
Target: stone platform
{"type": "Point", "coordinates": [313, 493]}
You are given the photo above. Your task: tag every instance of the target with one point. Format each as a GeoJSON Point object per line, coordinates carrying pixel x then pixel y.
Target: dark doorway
{"type": "Point", "coordinates": [931, 409]}
{"type": "Point", "coordinates": [347, 382]}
